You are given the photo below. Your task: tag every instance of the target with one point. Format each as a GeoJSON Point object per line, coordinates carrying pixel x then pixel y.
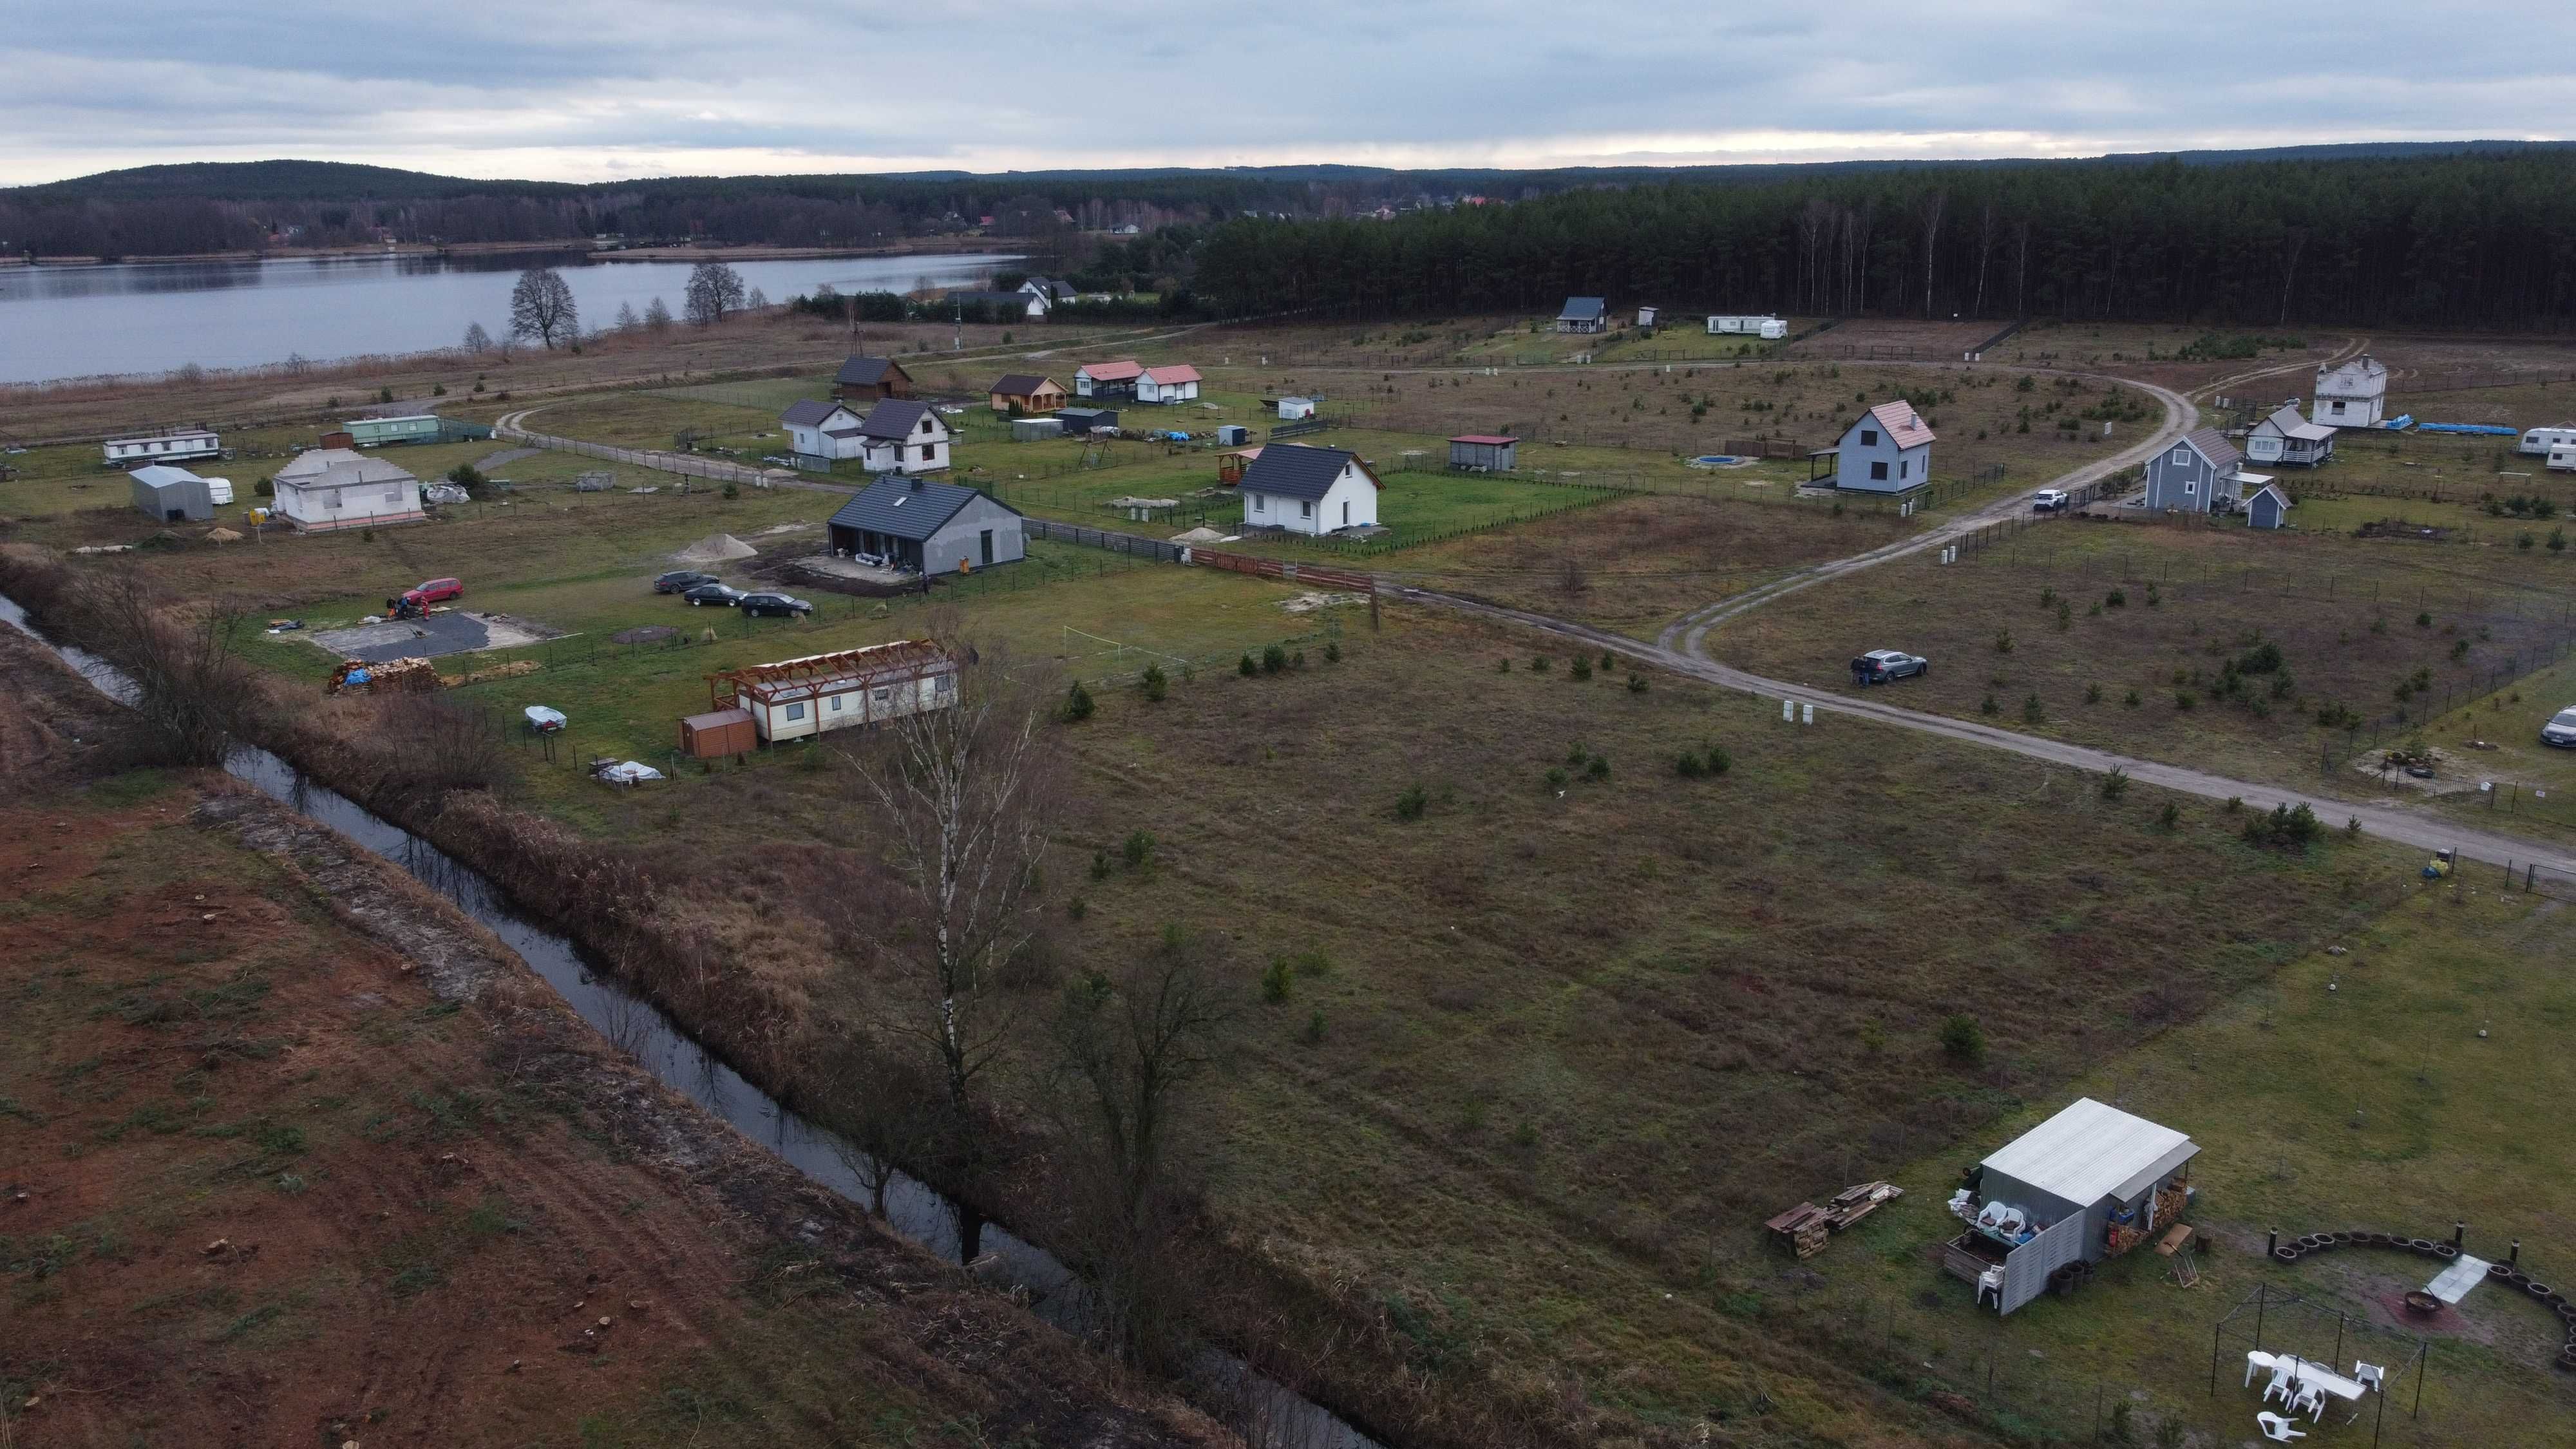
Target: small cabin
{"type": "Point", "coordinates": [1314, 491]}
{"type": "Point", "coordinates": [1295, 409]}
{"type": "Point", "coordinates": [325, 489]}
{"type": "Point", "coordinates": [1482, 452]}
{"type": "Point", "coordinates": [1171, 382]}
{"type": "Point", "coordinates": [902, 436]}
{"type": "Point", "coordinates": [1026, 392]}
{"type": "Point", "coordinates": [824, 431]}
{"type": "Point", "coordinates": [798, 698]}
{"type": "Point", "coordinates": [871, 379]}
{"type": "Point", "coordinates": [2090, 1183]}
{"type": "Point", "coordinates": [1886, 450]}
{"type": "Point", "coordinates": [1583, 314]}
{"type": "Point", "coordinates": [920, 526]}
{"type": "Point", "coordinates": [2285, 437]}
{"type": "Point", "coordinates": [1107, 379]}
{"type": "Point", "coordinates": [2197, 474]}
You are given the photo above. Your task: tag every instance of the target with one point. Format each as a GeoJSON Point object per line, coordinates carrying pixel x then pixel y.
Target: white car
{"type": "Point", "coordinates": [2048, 500]}
{"type": "Point", "coordinates": [2561, 729]}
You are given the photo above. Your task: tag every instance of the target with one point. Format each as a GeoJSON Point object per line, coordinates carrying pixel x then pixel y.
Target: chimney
{"type": "Point", "coordinates": [916, 482]}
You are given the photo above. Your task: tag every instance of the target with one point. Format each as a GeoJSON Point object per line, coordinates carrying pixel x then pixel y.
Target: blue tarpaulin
{"type": "Point", "coordinates": [2399, 423]}
{"type": "Point", "coordinates": [2482, 430]}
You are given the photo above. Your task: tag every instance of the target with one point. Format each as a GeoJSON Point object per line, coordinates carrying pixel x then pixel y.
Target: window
{"type": "Point", "coordinates": [2338, 407]}
{"type": "Point", "coordinates": [795, 711]}
{"type": "Point", "coordinates": [942, 686]}
{"type": "Point", "coordinates": [2182, 457]}
{"type": "Point", "coordinates": [1904, 466]}
{"type": "Point", "coordinates": [1878, 471]}
{"type": "Point", "coordinates": [1261, 503]}
{"type": "Point", "coordinates": [836, 704]}
{"type": "Point", "coordinates": [1346, 513]}
{"type": "Point", "coordinates": [1305, 509]}
{"type": "Point", "coordinates": [1869, 437]}
{"type": "Point", "coordinates": [880, 699]}
{"type": "Point", "coordinates": [2190, 489]}
{"type": "Point", "coordinates": [925, 425]}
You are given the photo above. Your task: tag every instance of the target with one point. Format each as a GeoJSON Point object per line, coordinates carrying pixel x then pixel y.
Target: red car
{"type": "Point", "coordinates": [435, 591]}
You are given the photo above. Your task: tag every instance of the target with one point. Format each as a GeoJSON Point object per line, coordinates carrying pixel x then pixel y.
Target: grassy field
{"type": "Point", "coordinates": [2158, 671]}
{"type": "Point", "coordinates": [2495, 742]}
{"type": "Point", "coordinates": [2345, 1092]}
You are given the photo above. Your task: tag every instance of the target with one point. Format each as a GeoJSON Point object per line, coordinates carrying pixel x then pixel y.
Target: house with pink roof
{"type": "Point", "coordinates": [1886, 450]}
{"type": "Point", "coordinates": [1107, 379]}
{"type": "Point", "coordinates": [1169, 382]}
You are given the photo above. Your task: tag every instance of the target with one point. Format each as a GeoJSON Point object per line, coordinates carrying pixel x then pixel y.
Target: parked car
{"type": "Point", "coordinates": [680, 581]}
{"type": "Point", "coordinates": [786, 604]}
{"type": "Point", "coordinates": [2561, 729]}
{"type": "Point", "coordinates": [2048, 500]}
{"type": "Point", "coordinates": [713, 593]}
{"type": "Point", "coordinates": [435, 591]}
{"type": "Point", "coordinates": [1879, 666]}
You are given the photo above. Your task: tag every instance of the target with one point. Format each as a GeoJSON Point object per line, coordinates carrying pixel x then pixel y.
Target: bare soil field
{"type": "Point", "coordinates": [271, 1178]}
{"type": "Point", "coordinates": [1888, 337]}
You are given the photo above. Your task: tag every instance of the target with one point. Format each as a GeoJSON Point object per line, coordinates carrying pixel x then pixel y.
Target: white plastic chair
{"type": "Point", "coordinates": [2277, 1429]}
{"type": "Point", "coordinates": [2370, 1375]}
{"type": "Point", "coordinates": [2311, 1401]}
{"type": "Point", "coordinates": [2284, 1384]}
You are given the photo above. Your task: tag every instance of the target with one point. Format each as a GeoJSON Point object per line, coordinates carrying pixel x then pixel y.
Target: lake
{"type": "Point", "coordinates": [149, 317]}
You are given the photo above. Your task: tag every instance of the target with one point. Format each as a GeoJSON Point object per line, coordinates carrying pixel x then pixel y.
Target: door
{"type": "Point", "coordinates": [987, 541]}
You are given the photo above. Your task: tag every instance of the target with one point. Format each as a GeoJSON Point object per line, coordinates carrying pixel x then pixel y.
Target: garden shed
{"type": "Point", "coordinates": [2090, 1183]}
{"type": "Point", "coordinates": [1482, 452]}
{"type": "Point", "coordinates": [172, 495]}
{"type": "Point", "coordinates": [2267, 506]}
{"type": "Point", "coordinates": [717, 733]}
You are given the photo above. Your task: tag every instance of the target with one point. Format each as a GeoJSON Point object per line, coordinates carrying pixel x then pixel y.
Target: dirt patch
{"type": "Point", "coordinates": [2399, 528]}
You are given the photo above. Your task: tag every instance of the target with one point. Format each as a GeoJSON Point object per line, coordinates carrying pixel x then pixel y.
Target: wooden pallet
{"type": "Point", "coordinates": [1803, 1230]}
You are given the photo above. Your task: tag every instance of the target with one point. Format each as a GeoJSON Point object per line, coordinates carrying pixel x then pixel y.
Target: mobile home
{"type": "Point", "coordinates": [795, 698]}
{"type": "Point", "coordinates": [172, 447]}
{"type": "Point", "coordinates": [2541, 442]}
{"type": "Point", "coordinates": [377, 432]}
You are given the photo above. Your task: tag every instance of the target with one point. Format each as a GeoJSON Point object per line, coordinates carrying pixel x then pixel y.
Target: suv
{"type": "Point", "coordinates": [712, 593]}
{"type": "Point", "coordinates": [1879, 666]}
{"type": "Point", "coordinates": [2048, 500]}
{"type": "Point", "coordinates": [787, 604]}
{"type": "Point", "coordinates": [680, 580]}
{"type": "Point", "coordinates": [2561, 729]}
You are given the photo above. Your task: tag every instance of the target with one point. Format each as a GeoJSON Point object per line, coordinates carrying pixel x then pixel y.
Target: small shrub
{"type": "Point", "coordinates": [1582, 668]}
{"type": "Point", "coordinates": [2032, 712]}
{"type": "Point", "coordinates": [1873, 1036]}
{"type": "Point", "coordinates": [2065, 618]}
{"type": "Point", "coordinates": [1688, 766]}
{"type": "Point", "coordinates": [2003, 641]}
{"type": "Point", "coordinates": [2523, 540]}
{"type": "Point", "coordinates": [1990, 706]}
{"type": "Point", "coordinates": [1333, 652]}
{"type": "Point", "coordinates": [1411, 804]}
{"type": "Point", "coordinates": [2170, 816]}
{"type": "Point", "coordinates": [2185, 701]}
{"type": "Point", "coordinates": [1100, 866]}
{"type": "Point", "coordinates": [2117, 599]}
{"type": "Point", "coordinates": [2558, 540]}
{"type": "Point", "coordinates": [2235, 804]}
{"type": "Point", "coordinates": [2047, 596]}
{"type": "Point", "coordinates": [1077, 908]}
{"type": "Point", "coordinates": [1598, 769]}
{"type": "Point", "coordinates": [2352, 827]}
{"type": "Point", "coordinates": [1297, 660]}
{"type": "Point", "coordinates": [2424, 620]}
{"type": "Point", "coordinates": [1719, 761]}
{"type": "Point", "coordinates": [2115, 784]}
{"type": "Point", "coordinates": [2092, 694]}
{"type": "Point", "coordinates": [1273, 659]}
{"type": "Point", "coordinates": [1964, 1040]}
{"type": "Point", "coordinates": [1276, 982]}
{"type": "Point", "coordinates": [1138, 848]}
{"type": "Point", "coordinates": [1636, 684]}
{"type": "Point", "coordinates": [1609, 662]}
{"type": "Point", "coordinates": [732, 490]}
{"type": "Point", "coordinates": [2131, 699]}
{"type": "Point", "coordinates": [1247, 668]}
{"type": "Point", "coordinates": [1555, 780]}
{"type": "Point", "coordinates": [1078, 703]}
{"type": "Point", "coordinates": [1538, 664]}
{"type": "Point", "coordinates": [1154, 682]}
{"type": "Point", "coordinates": [1314, 1031]}
{"type": "Point", "coordinates": [2284, 829]}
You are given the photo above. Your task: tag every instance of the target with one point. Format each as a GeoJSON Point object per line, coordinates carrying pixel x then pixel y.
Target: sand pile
{"type": "Point", "coordinates": [714, 548]}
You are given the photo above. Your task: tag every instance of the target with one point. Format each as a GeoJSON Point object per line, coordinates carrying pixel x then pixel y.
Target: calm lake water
{"type": "Point", "coordinates": [149, 317]}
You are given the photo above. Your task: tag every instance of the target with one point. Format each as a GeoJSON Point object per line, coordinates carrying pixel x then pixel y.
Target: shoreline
{"type": "Point", "coordinates": [590, 250]}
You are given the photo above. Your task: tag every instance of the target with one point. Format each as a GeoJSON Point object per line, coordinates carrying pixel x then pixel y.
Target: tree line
{"type": "Point", "coordinates": [2478, 240]}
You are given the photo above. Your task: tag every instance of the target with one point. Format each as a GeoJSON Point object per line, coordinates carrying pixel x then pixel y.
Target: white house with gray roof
{"type": "Point", "coordinates": [825, 430]}
{"type": "Point", "coordinates": [2351, 394]}
{"type": "Point", "coordinates": [323, 489]}
{"type": "Point", "coordinates": [2286, 437]}
{"type": "Point", "coordinates": [900, 435]}
{"type": "Point", "coordinates": [1309, 490]}
{"type": "Point", "coordinates": [2197, 474]}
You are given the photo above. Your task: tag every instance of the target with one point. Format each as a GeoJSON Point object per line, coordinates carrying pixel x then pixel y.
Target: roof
{"type": "Point", "coordinates": [810, 413]}
{"type": "Point", "coordinates": [867, 371]}
{"type": "Point", "coordinates": [2290, 424]}
{"type": "Point", "coordinates": [907, 507]}
{"type": "Point", "coordinates": [339, 467]}
{"type": "Point", "coordinates": [1496, 440]}
{"type": "Point", "coordinates": [392, 418]}
{"type": "Point", "coordinates": [1583, 309]}
{"type": "Point", "coordinates": [2268, 487]}
{"type": "Point", "coordinates": [2091, 1151]}
{"type": "Point", "coordinates": [1167, 373]}
{"type": "Point", "coordinates": [998, 299]}
{"type": "Point", "coordinates": [716, 719]}
{"type": "Point", "coordinates": [2366, 365]}
{"type": "Point", "coordinates": [2213, 445]}
{"type": "Point", "coordinates": [163, 436]}
{"type": "Point", "coordinates": [1119, 371]}
{"type": "Point", "coordinates": [162, 475]}
{"type": "Point", "coordinates": [1080, 412]}
{"type": "Point", "coordinates": [814, 674]}
{"type": "Point", "coordinates": [894, 420]}
{"type": "Point", "coordinates": [1292, 470]}
{"type": "Point", "coordinates": [1024, 384]}
{"type": "Point", "coordinates": [1905, 427]}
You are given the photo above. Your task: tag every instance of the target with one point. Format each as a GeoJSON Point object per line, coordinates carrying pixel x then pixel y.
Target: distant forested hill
{"type": "Point", "coordinates": [2478, 234]}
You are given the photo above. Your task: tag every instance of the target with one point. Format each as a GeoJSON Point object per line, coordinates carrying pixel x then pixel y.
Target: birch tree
{"type": "Point", "coordinates": [963, 796]}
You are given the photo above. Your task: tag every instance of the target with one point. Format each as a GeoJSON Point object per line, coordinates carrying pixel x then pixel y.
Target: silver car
{"type": "Point", "coordinates": [2561, 729]}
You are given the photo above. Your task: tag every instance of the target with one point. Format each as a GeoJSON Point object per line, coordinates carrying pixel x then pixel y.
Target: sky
{"type": "Point", "coordinates": [589, 90]}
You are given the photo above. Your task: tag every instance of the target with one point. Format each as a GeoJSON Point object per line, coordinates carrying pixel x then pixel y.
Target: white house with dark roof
{"type": "Point", "coordinates": [826, 430]}
{"type": "Point", "coordinates": [1167, 382]}
{"type": "Point", "coordinates": [2286, 437]}
{"type": "Point", "coordinates": [1584, 314]}
{"type": "Point", "coordinates": [903, 436]}
{"type": "Point", "coordinates": [1049, 288]}
{"type": "Point", "coordinates": [1886, 450]}
{"type": "Point", "coordinates": [2197, 474]}
{"type": "Point", "coordinates": [322, 489]}
{"type": "Point", "coordinates": [2350, 394]}
{"type": "Point", "coordinates": [1309, 490]}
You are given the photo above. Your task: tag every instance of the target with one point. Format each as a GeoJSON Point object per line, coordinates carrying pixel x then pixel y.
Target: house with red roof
{"type": "Point", "coordinates": [1168, 382]}
{"type": "Point", "coordinates": [1107, 379]}
{"type": "Point", "coordinates": [1886, 450]}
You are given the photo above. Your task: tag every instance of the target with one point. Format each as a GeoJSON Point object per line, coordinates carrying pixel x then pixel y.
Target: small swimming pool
{"type": "Point", "coordinates": [1719, 460]}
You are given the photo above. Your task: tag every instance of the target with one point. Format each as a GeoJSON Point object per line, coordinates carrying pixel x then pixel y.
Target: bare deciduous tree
{"type": "Point", "coordinates": [477, 341]}
{"type": "Point", "coordinates": [657, 316]}
{"type": "Point", "coordinates": [963, 796]}
{"type": "Point", "coordinates": [190, 687]}
{"type": "Point", "coordinates": [1127, 1052]}
{"type": "Point", "coordinates": [541, 306]}
{"type": "Point", "coordinates": [714, 289]}
{"type": "Point", "coordinates": [627, 321]}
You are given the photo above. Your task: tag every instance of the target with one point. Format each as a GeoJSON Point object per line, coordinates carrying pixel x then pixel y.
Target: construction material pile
{"type": "Point", "coordinates": [511, 670]}
{"type": "Point", "coordinates": [393, 676]}
{"type": "Point", "coordinates": [1803, 1229]}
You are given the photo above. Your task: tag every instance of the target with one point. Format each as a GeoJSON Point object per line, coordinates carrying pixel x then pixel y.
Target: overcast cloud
{"type": "Point", "coordinates": [584, 90]}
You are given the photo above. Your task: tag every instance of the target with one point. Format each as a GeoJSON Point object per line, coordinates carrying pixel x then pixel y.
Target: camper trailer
{"type": "Point", "coordinates": [2541, 442]}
